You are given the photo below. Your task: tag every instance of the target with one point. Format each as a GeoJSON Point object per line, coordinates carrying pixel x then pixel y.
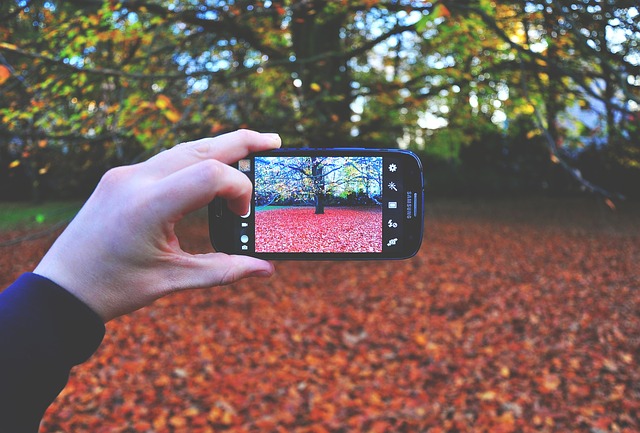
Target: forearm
{"type": "Point", "coordinates": [44, 332]}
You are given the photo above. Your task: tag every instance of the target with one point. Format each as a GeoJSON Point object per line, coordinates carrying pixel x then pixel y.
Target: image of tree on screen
{"type": "Point", "coordinates": [321, 204]}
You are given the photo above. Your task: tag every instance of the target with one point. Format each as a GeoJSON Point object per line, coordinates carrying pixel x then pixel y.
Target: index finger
{"type": "Point", "coordinates": [227, 148]}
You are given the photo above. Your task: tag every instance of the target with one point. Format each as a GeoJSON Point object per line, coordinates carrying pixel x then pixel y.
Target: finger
{"type": "Point", "coordinates": [216, 269]}
{"type": "Point", "coordinates": [227, 148]}
{"type": "Point", "coordinates": [195, 186]}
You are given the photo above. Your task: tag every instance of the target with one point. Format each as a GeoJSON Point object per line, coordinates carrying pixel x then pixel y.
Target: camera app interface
{"type": "Point", "coordinates": [319, 204]}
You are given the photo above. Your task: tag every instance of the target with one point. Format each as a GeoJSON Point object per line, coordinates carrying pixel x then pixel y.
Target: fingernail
{"type": "Point", "coordinates": [260, 274]}
{"type": "Point", "coordinates": [273, 137]}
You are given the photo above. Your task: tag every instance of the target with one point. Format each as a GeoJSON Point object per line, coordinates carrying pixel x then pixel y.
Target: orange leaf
{"type": "Point", "coordinates": [441, 11]}
{"type": "Point", "coordinates": [178, 421]}
{"type": "Point", "coordinates": [609, 203]}
{"type": "Point", "coordinates": [227, 418]}
{"type": "Point", "coordinates": [420, 339]}
{"type": "Point", "coordinates": [5, 73]}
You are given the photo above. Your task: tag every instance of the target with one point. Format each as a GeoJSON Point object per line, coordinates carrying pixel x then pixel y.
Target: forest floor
{"type": "Point", "coordinates": [337, 230]}
{"type": "Point", "coordinates": [516, 315]}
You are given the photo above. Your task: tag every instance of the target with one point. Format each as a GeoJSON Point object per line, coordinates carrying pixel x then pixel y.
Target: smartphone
{"type": "Point", "coordinates": [324, 204]}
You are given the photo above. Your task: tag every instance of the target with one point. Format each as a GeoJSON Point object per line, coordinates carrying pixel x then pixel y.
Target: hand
{"type": "Point", "coordinates": [121, 252]}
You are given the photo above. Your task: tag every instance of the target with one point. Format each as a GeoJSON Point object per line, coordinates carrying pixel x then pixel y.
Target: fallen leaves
{"type": "Point", "coordinates": [299, 229]}
{"type": "Point", "coordinates": [497, 325]}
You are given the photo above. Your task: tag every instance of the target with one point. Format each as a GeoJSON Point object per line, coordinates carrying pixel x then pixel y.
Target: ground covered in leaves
{"type": "Point", "coordinates": [516, 316]}
{"type": "Point", "coordinates": [338, 229]}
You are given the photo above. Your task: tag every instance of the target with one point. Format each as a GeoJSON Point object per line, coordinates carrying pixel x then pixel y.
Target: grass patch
{"type": "Point", "coordinates": [28, 215]}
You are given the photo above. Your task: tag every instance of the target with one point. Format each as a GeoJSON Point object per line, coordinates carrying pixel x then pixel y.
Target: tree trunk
{"type": "Point", "coordinates": [554, 104]}
{"type": "Point", "coordinates": [326, 84]}
{"type": "Point", "coordinates": [318, 185]}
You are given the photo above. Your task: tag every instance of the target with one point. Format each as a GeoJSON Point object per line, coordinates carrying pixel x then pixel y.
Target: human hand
{"type": "Point", "coordinates": [121, 252]}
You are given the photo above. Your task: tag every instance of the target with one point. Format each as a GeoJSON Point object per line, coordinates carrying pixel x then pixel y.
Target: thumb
{"type": "Point", "coordinates": [217, 269]}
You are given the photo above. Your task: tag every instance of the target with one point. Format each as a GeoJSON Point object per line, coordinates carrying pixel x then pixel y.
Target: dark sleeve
{"type": "Point", "coordinates": [44, 332]}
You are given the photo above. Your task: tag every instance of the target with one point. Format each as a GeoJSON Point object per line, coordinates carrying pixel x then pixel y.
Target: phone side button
{"type": "Point", "coordinates": [217, 208]}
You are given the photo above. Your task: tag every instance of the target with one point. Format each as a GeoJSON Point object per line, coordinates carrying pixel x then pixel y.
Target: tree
{"type": "Point", "coordinates": [103, 83]}
{"type": "Point", "coordinates": [311, 181]}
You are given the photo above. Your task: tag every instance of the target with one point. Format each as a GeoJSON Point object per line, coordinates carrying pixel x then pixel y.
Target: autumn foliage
{"type": "Point", "coordinates": [514, 317]}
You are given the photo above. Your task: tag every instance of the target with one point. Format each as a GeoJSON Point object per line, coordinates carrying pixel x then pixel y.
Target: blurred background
{"type": "Point", "coordinates": [520, 312]}
{"type": "Point", "coordinates": [496, 97]}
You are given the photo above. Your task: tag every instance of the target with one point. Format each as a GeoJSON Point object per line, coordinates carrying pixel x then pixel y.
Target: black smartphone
{"type": "Point", "coordinates": [324, 204]}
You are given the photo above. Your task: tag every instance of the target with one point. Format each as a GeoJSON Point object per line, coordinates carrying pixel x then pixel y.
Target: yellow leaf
{"type": "Point", "coordinates": [488, 395]}
{"type": "Point", "coordinates": [551, 382]}
{"type": "Point", "coordinates": [173, 116]}
{"type": "Point", "coordinates": [163, 102]}
{"type": "Point", "coordinates": [315, 87]}
{"type": "Point", "coordinates": [14, 164]}
{"type": "Point", "coordinates": [375, 399]}
{"type": "Point", "coordinates": [8, 46]}
{"type": "Point", "coordinates": [191, 412]}
{"type": "Point", "coordinates": [5, 73]}
{"type": "Point", "coordinates": [227, 418]}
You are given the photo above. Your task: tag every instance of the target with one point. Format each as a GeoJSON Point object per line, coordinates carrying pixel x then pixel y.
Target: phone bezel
{"type": "Point", "coordinates": [222, 222]}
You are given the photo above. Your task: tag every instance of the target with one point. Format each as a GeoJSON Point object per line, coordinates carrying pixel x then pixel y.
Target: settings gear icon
{"type": "Point", "coordinates": [393, 168]}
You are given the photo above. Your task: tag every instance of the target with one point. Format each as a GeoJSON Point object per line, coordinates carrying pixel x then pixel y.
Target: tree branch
{"type": "Point", "coordinates": [553, 148]}
{"type": "Point", "coordinates": [577, 77]}
{"type": "Point", "coordinates": [230, 25]}
{"type": "Point", "coordinates": [100, 71]}
{"type": "Point", "coordinates": [398, 29]}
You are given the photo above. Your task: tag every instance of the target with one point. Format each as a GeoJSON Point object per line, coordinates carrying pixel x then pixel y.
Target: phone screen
{"type": "Point", "coordinates": [326, 205]}
{"type": "Point", "coordinates": [318, 204]}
